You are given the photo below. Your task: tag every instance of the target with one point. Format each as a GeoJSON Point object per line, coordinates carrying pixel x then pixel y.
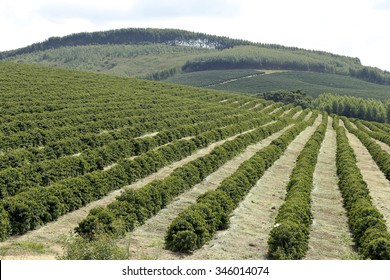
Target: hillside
{"type": "Point", "coordinates": [141, 169]}
{"type": "Point", "coordinates": [258, 81]}
{"type": "Point", "coordinates": [119, 51]}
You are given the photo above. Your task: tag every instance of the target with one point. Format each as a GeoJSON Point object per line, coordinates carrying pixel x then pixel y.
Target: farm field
{"type": "Point", "coordinates": [119, 60]}
{"type": "Point", "coordinates": [313, 84]}
{"type": "Point", "coordinates": [175, 172]}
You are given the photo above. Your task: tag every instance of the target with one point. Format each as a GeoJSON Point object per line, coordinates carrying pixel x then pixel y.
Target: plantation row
{"type": "Point", "coordinates": [196, 225]}
{"type": "Point", "coordinates": [108, 118]}
{"type": "Point", "coordinates": [365, 221]}
{"type": "Point", "coordinates": [128, 107]}
{"type": "Point", "coordinates": [381, 157]}
{"type": "Point", "coordinates": [289, 238]}
{"type": "Point", "coordinates": [14, 180]}
{"type": "Point", "coordinates": [84, 143]}
{"type": "Point", "coordinates": [38, 137]}
{"type": "Point", "coordinates": [41, 92]}
{"type": "Point", "coordinates": [60, 129]}
{"type": "Point", "coordinates": [374, 132]}
{"type": "Point", "coordinates": [38, 205]}
{"type": "Point", "coordinates": [135, 206]}
{"type": "Point", "coordinates": [70, 138]}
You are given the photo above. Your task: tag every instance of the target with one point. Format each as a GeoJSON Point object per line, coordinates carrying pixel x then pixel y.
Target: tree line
{"type": "Point", "coordinates": [342, 105]}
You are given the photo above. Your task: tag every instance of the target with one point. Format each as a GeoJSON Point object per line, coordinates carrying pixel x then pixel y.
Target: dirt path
{"type": "Point", "coordinates": [276, 110]}
{"type": "Point", "coordinates": [234, 80]}
{"type": "Point", "coordinates": [257, 105]}
{"type": "Point", "coordinates": [329, 237]}
{"type": "Point", "coordinates": [384, 146]}
{"type": "Point", "coordinates": [50, 234]}
{"type": "Point", "coordinates": [378, 185]}
{"type": "Point", "coordinates": [252, 221]}
{"type": "Point", "coordinates": [308, 116]}
{"type": "Point", "coordinates": [147, 241]}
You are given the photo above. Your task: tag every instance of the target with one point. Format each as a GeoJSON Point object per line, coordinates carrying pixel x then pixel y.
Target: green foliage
{"type": "Point", "coordinates": [211, 77]}
{"type": "Point", "coordinates": [102, 248]}
{"type": "Point", "coordinates": [153, 61]}
{"type": "Point", "coordinates": [174, 37]}
{"type": "Point", "coordinates": [314, 84]}
{"type": "Point", "coordinates": [5, 227]}
{"type": "Point", "coordinates": [365, 221]}
{"type": "Point", "coordinates": [259, 57]}
{"type": "Point", "coordinates": [136, 206]}
{"type": "Point", "coordinates": [287, 241]}
{"type": "Point", "coordinates": [60, 130]}
{"type": "Point", "coordinates": [289, 238]}
{"type": "Point", "coordinates": [165, 52]}
{"type": "Point", "coordinates": [381, 157]}
{"type": "Point", "coordinates": [196, 225]}
{"type": "Point", "coordinates": [297, 98]}
{"type": "Point", "coordinates": [350, 106]}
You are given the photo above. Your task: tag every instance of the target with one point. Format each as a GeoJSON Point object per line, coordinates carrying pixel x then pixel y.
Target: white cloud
{"type": "Point", "coordinates": [355, 28]}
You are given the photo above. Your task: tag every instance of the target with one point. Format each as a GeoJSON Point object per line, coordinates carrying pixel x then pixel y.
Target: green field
{"type": "Point", "coordinates": [119, 60]}
{"type": "Point", "coordinates": [313, 84]}
{"type": "Point", "coordinates": [125, 168]}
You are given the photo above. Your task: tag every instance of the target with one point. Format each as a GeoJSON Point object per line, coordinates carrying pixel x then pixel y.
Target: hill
{"type": "Point", "coordinates": [164, 171]}
{"type": "Point", "coordinates": [104, 51]}
{"type": "Point", "coordinates": [258, 81]}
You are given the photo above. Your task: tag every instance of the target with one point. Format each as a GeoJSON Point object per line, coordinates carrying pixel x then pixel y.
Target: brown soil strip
{"type": "Point", "coordinates": [50, 234]}
{"type": "Point", "coordinates": [147, 241]}
{"type": "Point", "coordinates": [329, 237]}
{"type": "Point", "coordinates": [378, 185]}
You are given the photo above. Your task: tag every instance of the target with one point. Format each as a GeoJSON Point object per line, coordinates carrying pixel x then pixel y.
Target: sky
{"type": "Point", "coordinates": [357, 28]}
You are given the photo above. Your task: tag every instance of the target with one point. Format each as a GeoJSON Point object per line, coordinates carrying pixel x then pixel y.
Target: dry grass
{"type": "Point", "coordinates": [384, 146]}
{"type": "Point", "coordinates": [329, 237]}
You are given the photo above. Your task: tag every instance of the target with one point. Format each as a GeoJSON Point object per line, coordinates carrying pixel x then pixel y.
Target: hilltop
{"type": "Point", "coordinates": [162, 53]}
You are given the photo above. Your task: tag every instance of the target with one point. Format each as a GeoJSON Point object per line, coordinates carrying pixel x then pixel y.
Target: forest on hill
{"type": "Point", "coordinates": [229, 53]}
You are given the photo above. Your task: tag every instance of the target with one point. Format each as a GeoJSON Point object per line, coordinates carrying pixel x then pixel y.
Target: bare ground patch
{"type": "Point", "coordinates": [147, 241]}
{"type": "Point", "coordinates": [329, 237]}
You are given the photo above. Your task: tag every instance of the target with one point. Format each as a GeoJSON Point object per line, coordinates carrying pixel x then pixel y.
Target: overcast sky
{"type": "Point", "coordinates": [357, 28]}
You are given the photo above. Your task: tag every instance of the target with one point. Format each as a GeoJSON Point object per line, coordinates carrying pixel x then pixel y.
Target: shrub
{"type": "Point", "coordinates": [5, 226]}
{"type": "Point", "coordinates": [102, 247]}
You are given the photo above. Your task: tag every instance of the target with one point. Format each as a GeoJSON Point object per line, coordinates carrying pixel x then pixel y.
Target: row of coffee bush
{"type": "Point", "coordinates": [82, 143]}
{"type": "Point", "coordinates": [196, 225]}
{"type": "Point", "coordinates": [134, 207]}
{"type": "Point", "coordinates": [39, 205]}
{"type": "Point", "coordinates": [381, 157]}
{"type": "Point", "coordinates": [44, 173]}
{"type": "Point", "coordinates": [366, 223]}
{"type": "Point", "coordinates": [289, 237]}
